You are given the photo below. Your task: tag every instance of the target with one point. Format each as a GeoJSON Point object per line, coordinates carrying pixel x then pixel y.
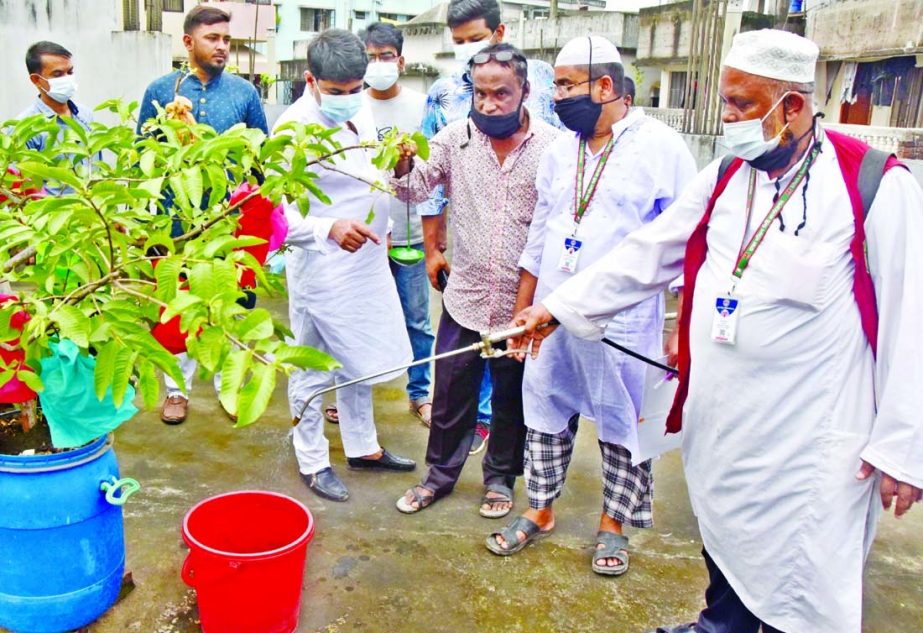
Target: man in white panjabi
{"type": "Point", "coordinates": [616, 171]}
{"type": "Point", "coordinates": [799, 347]}
{"type": "Point", "coordinates": [342, 298]}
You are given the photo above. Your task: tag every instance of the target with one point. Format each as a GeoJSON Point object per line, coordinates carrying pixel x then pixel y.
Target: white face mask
{"type": "Point", "coordinates": [381, 75]}
{"type": "Point", "coordinates": [745, 139]}
{"type": "Point", "coordinates": [62, 89]}
{"type": "Point", "coordinates": [464, 52]}
{"type": "Point", "coordinates": [340, 108]}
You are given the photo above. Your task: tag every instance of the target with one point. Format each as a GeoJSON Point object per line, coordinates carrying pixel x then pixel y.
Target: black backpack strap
{"type": "Point", "coordinates": [870, 172]}
{"type": "Point", "coordinates": [726, 163]}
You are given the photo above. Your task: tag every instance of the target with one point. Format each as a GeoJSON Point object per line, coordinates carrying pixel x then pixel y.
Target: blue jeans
{"type": "Point", "coordinates": [484, 396]}
{"type": "Point", "coordinates": [413, 290]}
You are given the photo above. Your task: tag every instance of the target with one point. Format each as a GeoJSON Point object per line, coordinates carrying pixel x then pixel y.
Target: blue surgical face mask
{"type": "Point", "coordinates": [340, 108]}
{"type": "Point", "coordinates": [745, 139]}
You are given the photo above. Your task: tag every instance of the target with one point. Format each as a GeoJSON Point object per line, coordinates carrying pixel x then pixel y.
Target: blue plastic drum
{"type": "Point", "coordinates": [62, 544]}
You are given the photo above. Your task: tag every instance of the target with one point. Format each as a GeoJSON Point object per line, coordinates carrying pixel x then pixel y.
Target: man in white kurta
{"type": "Point", "coordinates": [784, 428]}
{"type": "Point", "coordinates": [643, 166]}
{"type": "Point", "coordinates": [342, 299]}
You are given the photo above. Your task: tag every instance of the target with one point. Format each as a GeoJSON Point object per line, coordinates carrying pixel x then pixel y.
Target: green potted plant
{"type": "Point", "coordinates": [94, 273]}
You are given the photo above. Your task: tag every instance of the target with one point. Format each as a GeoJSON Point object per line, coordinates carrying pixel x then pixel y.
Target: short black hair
{"type": "Point", "coordinates": [629, 88]}
{"type": "Point", "coordinates": [381, 34]}
{"type": "Point", "coordinates": [461, 11]}
{"type": "Point", "coordinates": [613, 70]}
{"type": "Point", "coordinates": [202, 14]}
{"type": "Point", "coordinates": [35, 52]}
{"type": "Point", "coordinates": [519, 64]}
{"type": "Point", "coordinates": [337, 55]}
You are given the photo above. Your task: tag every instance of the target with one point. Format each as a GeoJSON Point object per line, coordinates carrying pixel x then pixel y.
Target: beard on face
{"type": "Point", "coordinates": [211, 64]}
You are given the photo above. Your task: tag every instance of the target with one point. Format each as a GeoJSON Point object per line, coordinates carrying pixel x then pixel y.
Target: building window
{"type": "Point", "coordinates": [677, 89]}
{"type": "Point", "coordinates": [316, 20]}
{"type": "Point", "coordinates": [174, 6]}
{"type": "Point", "coordinates": [359, 15]}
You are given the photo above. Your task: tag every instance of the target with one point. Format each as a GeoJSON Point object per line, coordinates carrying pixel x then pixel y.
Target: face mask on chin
{"type": "Point", "coordinates": [382, 75]}
{"type": "Point", "coordinates": [62, 89]}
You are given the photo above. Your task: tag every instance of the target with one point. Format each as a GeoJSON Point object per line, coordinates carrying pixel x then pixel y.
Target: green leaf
{"type": "Point", "coordinates": [147, 163]}
{"type": "Point", "coordinates": [256, 394]}
{"type": "Point", "coordinates": [73, 324]}
{"type": "Point", "coordinates": [371, 216]}
{"type": "Point", "coordinates": [208, 348]}
{"type": "Point", "coordinates": [167, 274]}
{"type": "Point", "coordinates": [306, 358]}
{"type": "Point", "coordinates": [192, 180]}
{"type": "Point", "coordinates": [105, 368]}
{"type": "Point", "coordinates": [47, 172]}
{"type": "Point", "coordinates": [422, 145]}
{"type": "Point", "coordinates": [124, 362]}
{"type": "Point", "coordinates": [233, 371]}
{"type": "Point", "coordinates": [31, 380]}
{"type": "Point", "coordinates": [256, 325]}
{"type": "Point", "coordinates": [148, 384]}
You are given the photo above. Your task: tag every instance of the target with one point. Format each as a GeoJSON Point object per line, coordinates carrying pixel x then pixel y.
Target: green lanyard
{"type": "Point", "coordinates": [747, 252]}
{"type": "Point", "coordinates": [582, 198]}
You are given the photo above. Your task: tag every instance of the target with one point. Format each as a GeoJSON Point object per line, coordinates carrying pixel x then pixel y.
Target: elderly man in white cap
{"type": "Point", "coordinates": [803, 261]}
{"type": "Point", "coordinates": [618, 171]}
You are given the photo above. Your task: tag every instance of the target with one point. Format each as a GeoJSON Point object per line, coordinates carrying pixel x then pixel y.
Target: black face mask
{"type": "Point", "coordinates": [781, 155]}
{"type": "Point", "coordinates": [579, 113]}
{"type": "Point", "coordinates": [499, 126]}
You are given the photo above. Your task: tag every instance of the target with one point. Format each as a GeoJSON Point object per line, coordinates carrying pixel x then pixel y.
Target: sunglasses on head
{"type": "Point", "coordinates": [499, 56]}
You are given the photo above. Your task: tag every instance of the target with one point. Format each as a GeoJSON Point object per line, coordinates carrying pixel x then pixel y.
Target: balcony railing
{"type": "Point", "coordinates": [896, 140]}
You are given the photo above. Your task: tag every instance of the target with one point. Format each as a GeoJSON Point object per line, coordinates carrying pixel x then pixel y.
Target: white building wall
{"type": "Point", "coordinates": [108, 63]}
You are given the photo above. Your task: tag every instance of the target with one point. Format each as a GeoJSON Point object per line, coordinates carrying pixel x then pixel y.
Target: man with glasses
{"type": "Point", "coordinates": [342, 299]}
{"type": "Point", "coordinates": [616, 172]}
{"type": "Point", "coordinates": [474, 24]}
{"type": "Point", "coordinates": [488, 165]}
{"type": "Point", "coordinates": [398, 107]}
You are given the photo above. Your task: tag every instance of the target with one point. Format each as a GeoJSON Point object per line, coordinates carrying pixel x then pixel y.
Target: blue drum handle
{"type": "Point", "coordinates": [127, 485]}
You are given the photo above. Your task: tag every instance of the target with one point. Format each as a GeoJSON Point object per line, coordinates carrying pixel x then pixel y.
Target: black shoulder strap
{"type": "Point", "coordinates": [870, 172]}
{"type": "Point", "coordinates": [725, 165]}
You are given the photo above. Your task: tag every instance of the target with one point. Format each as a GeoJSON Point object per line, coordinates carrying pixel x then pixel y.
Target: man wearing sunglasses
{"type": "Point", "coordinates": [617, 171]}
{"type": "Point", "coordinates": [474, 24]}
{"type": "Point", "coordinates": [488, 166]}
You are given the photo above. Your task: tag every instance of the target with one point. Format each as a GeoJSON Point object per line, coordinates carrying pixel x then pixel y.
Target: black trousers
{"type": "Point", "coordinates": [725, 613]}
{"type": "Point", "coordinates": [455, 406]}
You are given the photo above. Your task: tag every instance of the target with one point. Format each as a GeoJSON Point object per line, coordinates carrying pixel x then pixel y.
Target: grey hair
{"type": "Point", "coordinates": [337, 55]}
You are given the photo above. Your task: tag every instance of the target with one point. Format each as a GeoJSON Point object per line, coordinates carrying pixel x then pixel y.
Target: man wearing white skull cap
{"type": "Point", "coordinates": [800, 378]}
{"type": "Point", "coordinates": [615, 172]}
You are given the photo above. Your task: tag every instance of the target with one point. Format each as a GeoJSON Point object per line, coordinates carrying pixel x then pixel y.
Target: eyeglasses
{"type": "Point", "coordinates": [566, 87]}
{"type": "Point", "coordinates": [383, 57]}
{"type": "Point", "coordinates": [500, 56]}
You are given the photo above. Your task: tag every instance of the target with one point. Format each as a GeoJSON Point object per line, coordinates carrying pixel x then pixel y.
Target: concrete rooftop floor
{"type": "Point", "coordinates": [373, 569]}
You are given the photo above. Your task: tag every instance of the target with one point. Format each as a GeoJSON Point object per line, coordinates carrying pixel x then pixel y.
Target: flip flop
{"type": "Point", "coordinates": [519, 524]}
{"type": "Point", "coordinates": [331, 414]}
{"type": "Point", "coordinates": [507, 497]}
{"type": "Point", "coordinates": [416, 406]}
{"type": "Point", "coordinates": [613, 546]}
{"type": "Point", "coordinates": [423, 501]}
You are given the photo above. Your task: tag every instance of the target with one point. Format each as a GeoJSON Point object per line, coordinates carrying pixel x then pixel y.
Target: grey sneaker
{"type": "Point", "coordinates": [481, 434]}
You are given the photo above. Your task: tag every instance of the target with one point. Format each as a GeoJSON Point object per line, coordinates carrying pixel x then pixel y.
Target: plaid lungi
{"type": "Point", "coordinates": [627, 490]}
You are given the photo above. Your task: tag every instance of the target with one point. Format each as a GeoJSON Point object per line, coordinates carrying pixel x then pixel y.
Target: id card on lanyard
{"type": "Point", "coordinates": [570, 251]}
{"type": "Point", "coordinates": [727, 307]}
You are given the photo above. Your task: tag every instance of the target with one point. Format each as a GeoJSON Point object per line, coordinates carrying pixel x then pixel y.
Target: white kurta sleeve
{"type": "Point", "coordinates": [531, 258]}
{"type": "Point", "coordinates": [894, 231]}
{"type": "Point", "coordinates": [639, 267]}
{"type": "Point", "coordinates": [309, 231]}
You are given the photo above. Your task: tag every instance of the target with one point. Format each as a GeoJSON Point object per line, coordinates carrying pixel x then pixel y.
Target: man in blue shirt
{"type": "Point", "coordinates": [51, 71]}
{"type": "Point", "coordinates": [220, 100]}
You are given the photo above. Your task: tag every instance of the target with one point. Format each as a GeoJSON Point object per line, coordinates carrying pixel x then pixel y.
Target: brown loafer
{"type": "Point", "coordinates": [174, 410]}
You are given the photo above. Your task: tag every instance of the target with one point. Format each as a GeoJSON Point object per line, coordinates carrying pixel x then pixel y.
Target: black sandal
{"type": "Point", "coordinates": [613, 546]}
{"type": "Point", "coordinates": [519, 524]}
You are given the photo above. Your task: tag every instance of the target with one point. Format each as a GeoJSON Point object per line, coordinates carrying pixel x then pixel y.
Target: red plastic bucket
{"type": "Point", "coordinates": [246, 561]}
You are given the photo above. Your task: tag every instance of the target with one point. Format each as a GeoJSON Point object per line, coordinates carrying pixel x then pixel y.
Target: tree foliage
{"type": "Point", "coordinates": [97, 261]}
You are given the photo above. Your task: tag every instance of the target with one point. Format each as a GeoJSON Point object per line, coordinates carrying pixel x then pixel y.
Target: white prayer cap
{"type": "Point", "coordinates": [577, 52]}
{"type": "Point", "coordinates": [774, 54]}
